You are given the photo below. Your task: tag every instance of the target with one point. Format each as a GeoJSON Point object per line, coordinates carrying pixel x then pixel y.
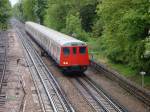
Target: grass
{"type": "Point", "coordinates": [131, 74]}
{"type": "Point", "coordinates": [124, 70]}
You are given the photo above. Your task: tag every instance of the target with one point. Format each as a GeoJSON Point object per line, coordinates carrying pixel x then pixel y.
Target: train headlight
{"type": "Point", "coordinates": [65, 63]}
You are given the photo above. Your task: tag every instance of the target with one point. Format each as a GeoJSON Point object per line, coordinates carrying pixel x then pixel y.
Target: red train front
{"type": "Point", "coordinates": [74, 58]}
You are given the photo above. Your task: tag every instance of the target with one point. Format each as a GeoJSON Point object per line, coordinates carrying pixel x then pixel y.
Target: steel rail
{"type": "Point", "coordinates": [54, 82]}
{"type": "Point", "coordinates": [99, 90]}
{"type": "Point", "coordinates": [93, 96]}
{"type": "Point", "coordinates": [99, 96]}
{"type": "Point", "coordinates": [4, 65]}
{"type": "Point", "coordinates": [3, 43]}
{"type": "Point", "coordinates": [36, 68]}
{"type": "Point", "coordinates": [29, 61]}
{"type": "Point", "coordinates": [131, 87]}
{"type": "Point", "coordinates": [89, 97]}
{"type": "Point", "coordinates": [59, 96]}
{"type": "Point", "coordinates": [57, 88]}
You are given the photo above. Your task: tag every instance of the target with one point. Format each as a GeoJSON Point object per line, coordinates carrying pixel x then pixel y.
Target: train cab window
{"type": "Point", "coordinates": [66, 51]}
{"type": "Point", "coordinates": [82, 50]}
{"type": "Point", "coordinates": [74, 50]}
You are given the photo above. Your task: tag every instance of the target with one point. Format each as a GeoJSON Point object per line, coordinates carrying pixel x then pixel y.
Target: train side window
{"type": "Point", "coordinates": [82, 50]}
{"type": "Point", "coordinates": [66, 51]}
{"type": "Point", "coordinates": [74, 50]}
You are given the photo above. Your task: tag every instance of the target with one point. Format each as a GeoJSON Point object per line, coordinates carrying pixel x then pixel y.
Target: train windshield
{"type": "Point", "coordinates": [82, 50]}
{"type": "Point", "coordinates": [66, 51]}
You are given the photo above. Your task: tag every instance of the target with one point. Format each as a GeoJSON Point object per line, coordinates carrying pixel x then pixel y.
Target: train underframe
{"type": "Point", "coordinates": [78, 69]}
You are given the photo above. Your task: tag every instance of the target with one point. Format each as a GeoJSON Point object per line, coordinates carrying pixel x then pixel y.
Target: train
{"type": "Point", "coordinates": [70, 54]}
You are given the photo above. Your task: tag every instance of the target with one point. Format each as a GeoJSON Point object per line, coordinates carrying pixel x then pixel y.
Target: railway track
{"type": "Point", "coordinates": [3, 61]}
{"type": "Point", "coordinates": [99, 100]}
{"type": "Point", "coordinates": [96, 96]}
{"type": "Point", "coordinates": [132, 88]}
{"type": "Point", "coordinates": [50, 95]}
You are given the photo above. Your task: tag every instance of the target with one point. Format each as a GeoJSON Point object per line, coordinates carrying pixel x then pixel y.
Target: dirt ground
{"type": "Point", "coordinates": [118, 93]}
{"type": "Point", "coordinates": [20, 89]}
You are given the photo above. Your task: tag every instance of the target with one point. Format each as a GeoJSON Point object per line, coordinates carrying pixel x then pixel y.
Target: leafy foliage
{"type": "Point", "coordinates": [87, 14]}
{"type": "Point", "coordinates": [126, 25]}
{"type": "Point", "coordinates": [73, 27]}
{"type": "Point", "coordinates": [28, 10]}
{"type": "Point", "coordinates": [4, 13]}
{"type": "Point", "coordinates": [33, 10]}
{"type": "Point", "coordinates": [40, 9]}
{"type": "Point", "coordinates": [56, 18]}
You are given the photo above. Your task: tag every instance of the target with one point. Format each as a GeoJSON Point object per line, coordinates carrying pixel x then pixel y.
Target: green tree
{"type": "Point", "coordinates": [56, 18]}
{"type": "Point", "coordinates": [28, 10]}
{"type": "Point", "coordinates": [4, 13]}
{"type": "Point", "coordinates": [40, 10]}
{"type": "Point", "coordinates": [74, 28]}
{"type": "Point", "coordinates": [31, 10]}
{"type": "Point", "coordinates": [17, 11]}
{"type": "Point", "coordinates": [88, 14]}
{"type": "Point", "coordinates": [125, 27]}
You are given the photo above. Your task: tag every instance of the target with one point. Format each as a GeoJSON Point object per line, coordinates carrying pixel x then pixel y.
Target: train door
{"type": "Point", "coordinates": [83, 55]}
{"type": "Point", "coordinates": [74, 55]}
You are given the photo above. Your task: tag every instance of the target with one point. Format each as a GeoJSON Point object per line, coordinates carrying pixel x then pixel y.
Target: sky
{"type": "Point", "coordinates": [13, 2]}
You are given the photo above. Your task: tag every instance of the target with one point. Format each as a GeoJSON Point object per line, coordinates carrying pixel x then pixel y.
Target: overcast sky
{"type": "Point", "coordinates": [13, 2]}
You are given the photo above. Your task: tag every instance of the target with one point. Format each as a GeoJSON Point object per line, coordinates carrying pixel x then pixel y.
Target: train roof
{"type": "Point", "coordinates": [62, 39]}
